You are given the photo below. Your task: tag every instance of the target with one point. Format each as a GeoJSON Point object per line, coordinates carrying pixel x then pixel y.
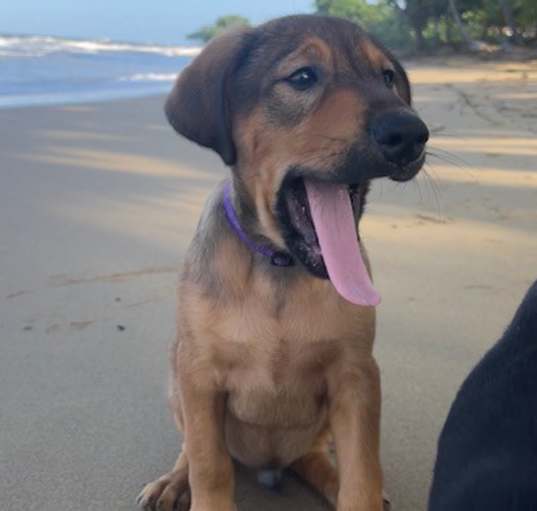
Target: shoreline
{"type": "Point", "coordinates": [81, 98]}
{"type": "Point", "coordinates": [38, 70]}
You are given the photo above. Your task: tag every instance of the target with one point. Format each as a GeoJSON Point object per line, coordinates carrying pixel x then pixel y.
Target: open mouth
{"type": "Point", "coordinates": [319, 221]}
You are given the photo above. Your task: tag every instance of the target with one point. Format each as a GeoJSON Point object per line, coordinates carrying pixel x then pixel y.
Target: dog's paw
{"type": "Point", "coordinates": [386, 502]}
{"type": "Point", "coordinates": [168, 493]}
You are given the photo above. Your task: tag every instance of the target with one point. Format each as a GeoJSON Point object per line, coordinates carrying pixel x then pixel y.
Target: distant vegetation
{"type": "Point", "coordinates": [429, 24]}
{"type": "Point", "coordinates": [426, 25]}
{"type": "Point", "coordinates": [221, 25]}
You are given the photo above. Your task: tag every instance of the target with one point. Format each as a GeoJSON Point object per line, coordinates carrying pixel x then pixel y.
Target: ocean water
{"type": "Point", "coordinates": [40, 70]}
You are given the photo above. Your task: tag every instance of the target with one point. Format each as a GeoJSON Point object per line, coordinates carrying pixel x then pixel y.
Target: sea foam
{"type": "Point", "coordinates": [39, 46]}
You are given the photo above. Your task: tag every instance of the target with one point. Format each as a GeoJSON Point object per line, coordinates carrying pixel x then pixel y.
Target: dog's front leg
{"type": "Point", "coordinates": [211, 473]}
{"type": "Point", "coordinates": [355, 422]}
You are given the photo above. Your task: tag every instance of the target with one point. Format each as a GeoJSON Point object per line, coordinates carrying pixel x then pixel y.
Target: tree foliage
{"type": "Point", "coordinates": [380, 19]}
{"type": "Point", "coordinates": [423, 24]}
{"type": "Point", "coordinates": [222, 24]}
{"type": "Point", "coordinates": [428, 24]}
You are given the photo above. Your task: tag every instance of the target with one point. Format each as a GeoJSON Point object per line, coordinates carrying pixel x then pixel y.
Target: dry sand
{"type": "Point", "coordinates": [98, 203]}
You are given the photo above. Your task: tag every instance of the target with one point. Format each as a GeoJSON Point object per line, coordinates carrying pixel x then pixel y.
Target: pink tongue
{"type": "Point", "coordinates": [332, 215]}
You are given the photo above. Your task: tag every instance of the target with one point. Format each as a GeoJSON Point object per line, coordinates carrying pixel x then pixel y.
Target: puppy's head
{"type": "Point", "coordinates": [299, 101]}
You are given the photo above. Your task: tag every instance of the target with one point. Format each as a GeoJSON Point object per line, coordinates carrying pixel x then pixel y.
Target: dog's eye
{"type": "Point", "coordinates": [303, 79]}
{"type": "Point", "coordinates": [389, 77]}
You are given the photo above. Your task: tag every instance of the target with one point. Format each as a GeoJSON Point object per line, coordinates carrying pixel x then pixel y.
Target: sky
{"type": "Point", "coordinates": [156, 21]}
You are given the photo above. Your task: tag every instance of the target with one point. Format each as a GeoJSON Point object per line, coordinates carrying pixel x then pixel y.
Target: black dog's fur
{"type": "Point", "coordinates": [487, 452]}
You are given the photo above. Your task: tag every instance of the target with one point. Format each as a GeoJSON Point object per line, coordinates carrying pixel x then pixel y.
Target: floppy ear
{"type": "Point", "coordinates": [198, 106]}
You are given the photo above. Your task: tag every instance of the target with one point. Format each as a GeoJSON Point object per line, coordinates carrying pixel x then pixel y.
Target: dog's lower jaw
{"type": "Point", "coordinates": [409, 171]}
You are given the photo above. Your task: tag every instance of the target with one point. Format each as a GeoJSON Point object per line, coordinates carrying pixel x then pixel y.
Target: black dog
{"type": "Point", "coordinates": [487, 452]}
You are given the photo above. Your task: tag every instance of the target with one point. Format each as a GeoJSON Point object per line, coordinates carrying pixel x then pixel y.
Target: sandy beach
{"type": "Point", "coordinates": [97, 205]}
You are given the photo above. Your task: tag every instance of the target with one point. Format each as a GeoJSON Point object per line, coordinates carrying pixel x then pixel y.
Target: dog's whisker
{"type": "Point", "coordinates": [434, 130]}
{"type": "Point", "coordinates": [445, 158]}
{"type": "Point", "coordinates": [431, 183]}
{"type": "Point", "coordinates": [417, 185]}
{"type": "Point", "coordinates": [449, 154]}
{"type": "Point", "coordinates": [446, 133]}
{"type": "Point", "coordinates": [448, 160]}
{"type": "Point", "coordinates": [435, 190]}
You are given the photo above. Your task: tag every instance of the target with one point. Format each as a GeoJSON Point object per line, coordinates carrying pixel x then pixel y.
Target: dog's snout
{"type": "Point", "coordinates": [400, 135]}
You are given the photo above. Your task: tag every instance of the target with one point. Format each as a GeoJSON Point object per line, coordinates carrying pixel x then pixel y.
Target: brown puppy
{"type": "Point", "coordinates": [272, 359]}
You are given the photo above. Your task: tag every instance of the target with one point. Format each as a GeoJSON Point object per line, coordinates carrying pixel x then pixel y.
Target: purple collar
{"type": "Point", "coordinates": [277, 257]}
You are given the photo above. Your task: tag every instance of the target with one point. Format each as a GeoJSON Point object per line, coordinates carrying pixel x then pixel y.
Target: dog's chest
{"type": "Point", "coordinates": [274, 369]}
{"type": "Point", "coordinates": [280, 385]}
{"type": "Point", "coordinates": [273, 361]}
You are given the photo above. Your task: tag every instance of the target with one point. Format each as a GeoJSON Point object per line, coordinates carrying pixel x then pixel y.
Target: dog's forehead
{"type": "Point", "coordinates": [334, 39]}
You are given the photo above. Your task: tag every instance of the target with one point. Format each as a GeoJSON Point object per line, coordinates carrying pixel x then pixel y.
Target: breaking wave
{"type": "Point", "coordinates": [150, 77]}
{"type": "Point", "coordinates": [39, 46]}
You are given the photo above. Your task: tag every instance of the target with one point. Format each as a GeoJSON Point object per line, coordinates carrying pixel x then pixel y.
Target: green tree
{"type": "Point", "coordinates": [221, 25]}
{"type": "Point", "coordinates": [507, 10]}
{"type": "Point", "coordinates": [417, 13]}
{"type": "Point", "coordinates": [430, 23]}
{"type": "Point", "coordinates": [358, 11]}
{"type": "Point", "coordinates": [525, 12]}
{"type": "Point", "coordinates": [379, 19]}
{"type": "Point", "coordinates": [422, 24]}
{"type": "Point", "coordinates": [458, 21]}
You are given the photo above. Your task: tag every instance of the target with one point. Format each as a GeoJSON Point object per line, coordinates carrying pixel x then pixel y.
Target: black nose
{"type": "Point", "coordinates": [401, 136]}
